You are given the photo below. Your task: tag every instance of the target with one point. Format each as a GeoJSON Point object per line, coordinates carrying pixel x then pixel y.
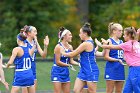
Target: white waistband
{"type": "Point", "coordinates": [21, 69]}
{"type": "Point", "coordinates": [54, 65]}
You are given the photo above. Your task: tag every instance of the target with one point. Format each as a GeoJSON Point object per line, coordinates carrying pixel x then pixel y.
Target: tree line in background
{"type": "Point", "coordinates": [48, 15]}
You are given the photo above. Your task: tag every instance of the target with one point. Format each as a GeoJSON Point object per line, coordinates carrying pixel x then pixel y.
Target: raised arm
{"type": "Point", "coordinates": [107, 46]}
{"type": "Point", "coordinates": [73, 62]}
{"type": "Point", "coordinates": [77, 51]}
{"type": "Point", "coordinates": [31, 51]}
{"type": "Point", "coordinates": [107, 57]}
{"type": "Point", "coordinates": [98, 53]}
{"type": "Point", "coordinates": [43, 53]}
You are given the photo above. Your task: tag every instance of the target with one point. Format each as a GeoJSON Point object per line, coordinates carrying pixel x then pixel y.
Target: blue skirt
{"type": "Point", "coordinates": [114, 71]}
{"type": "Point", "coordinates": [89, 76]}
{"type": "Point", "coordinates": [23, 78]}
{"type": "Point", "coordinates": [60, 74]}
{"type": "Point", "coordinates": [132, 84]}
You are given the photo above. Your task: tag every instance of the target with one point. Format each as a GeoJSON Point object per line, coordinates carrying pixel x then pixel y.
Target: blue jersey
{"type": "Point", "coordinates": [33, 66]}
{"type": "Point", "coordinates": [23, 62]}
{"type": "Point", "coordinates": [115, 70]}
{"type": "Point", "coordinates": [23, 74]}
{"type": "Point", "coordinates": [29, 45]}
{"type": "Point", "coordinates": [61, 73]}
{"type": "Point", "coordinates": [63, 58]}
{"type": "Point", "coordinates": [89, 70]}
{"type": "Point", "coordinates": [118, 54]}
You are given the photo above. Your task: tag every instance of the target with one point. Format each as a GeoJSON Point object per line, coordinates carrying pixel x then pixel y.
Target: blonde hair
{"type": "Point", "coordinates": [112, 26]}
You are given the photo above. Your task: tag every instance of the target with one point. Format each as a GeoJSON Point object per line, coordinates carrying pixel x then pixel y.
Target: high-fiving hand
{"type": "Point", "coordinates": [98, 42]}
{"type": "Point", "coordinates": [46, 41]}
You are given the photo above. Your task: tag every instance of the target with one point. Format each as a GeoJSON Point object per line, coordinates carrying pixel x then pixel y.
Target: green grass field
{"type": "Point", "coordinates": [43, 76]}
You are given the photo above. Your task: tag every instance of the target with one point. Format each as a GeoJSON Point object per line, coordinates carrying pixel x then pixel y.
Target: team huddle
{"type": "Point", "coordinates": [115, 52]}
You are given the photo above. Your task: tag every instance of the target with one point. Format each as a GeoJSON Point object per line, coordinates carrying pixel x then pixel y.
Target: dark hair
{"type": "Point", "coordinates": [22, 36]}
{"type": "Point", "coordinates": [86, 28]}
{"type": "Point", "coordinates": [61, 29]}
{"type": "Point", "coordinates": [132, 32]}
{"type": "Point", "coordinates": [26, 29]}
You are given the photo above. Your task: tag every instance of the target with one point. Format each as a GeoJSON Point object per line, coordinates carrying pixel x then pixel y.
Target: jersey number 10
{"type": "Point", "coordinates": [27, 63]}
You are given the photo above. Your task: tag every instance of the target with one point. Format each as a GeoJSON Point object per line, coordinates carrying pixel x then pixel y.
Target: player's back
{"type": "Point", "coordinates": [23, 73]}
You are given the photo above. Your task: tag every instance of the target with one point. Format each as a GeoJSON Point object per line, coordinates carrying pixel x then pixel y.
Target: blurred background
{"type": "Point", "coordinates": [48, 15]}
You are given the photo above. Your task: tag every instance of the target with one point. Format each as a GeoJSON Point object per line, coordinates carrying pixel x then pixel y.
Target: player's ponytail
{"type": "Point", "coordinates": [26, 29]}
{"type": "Point", "coordinates": [87, 29]}
{"type": "Point", "coordinates": [61, 29]}
{"type": "Point", "coordinates": [22, 36]}
{"type": "Point", "coordinates": [62, 33]}
{"type": "Point", "coordinates": [132, 32]}
{"type": "Point", "coordinates": [111, 27]}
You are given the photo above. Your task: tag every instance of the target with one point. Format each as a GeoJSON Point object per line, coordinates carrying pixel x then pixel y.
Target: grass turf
{"type": "Point", "coordinates": [43, 76]}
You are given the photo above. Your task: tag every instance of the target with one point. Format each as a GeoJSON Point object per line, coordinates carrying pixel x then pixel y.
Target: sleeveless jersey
{"type": "Point", "coordinates": [115, 70]}
{"type": "Point", "coordinates": [61, 73]}
{"type": "Point", "coordinates": [89, 70]}
{"type": "Point", "coordinates": [23, 74]}
{"type": "Point", "coordinates": [33, 63]}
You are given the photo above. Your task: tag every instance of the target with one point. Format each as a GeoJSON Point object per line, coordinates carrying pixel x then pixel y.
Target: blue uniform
{"type": "Point", "coordinates": [115, 70]}
{"type": "Point", "coordinates": [23, 74]}
{"type": "Point", "coordinates": [85, 87]}
{"type": "Point", "coordinates": [33, 61]}
{"type": "Point", "coordinates": [61, 73]}
{"type": "Point", "coordinates": [133, 81]}
{"type": "Point", "coordinates": [89, 70]}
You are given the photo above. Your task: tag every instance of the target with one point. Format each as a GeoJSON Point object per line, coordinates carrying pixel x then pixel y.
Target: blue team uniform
{"type": "Point", "coordinates": [23, 76]}
{"type": "Point", "coordinates": [133, 81]}
{"type": "Point", "coordinates": [33, 61]}
{"type": "Point", "coordinates": [85, 87]}
{"type": "Point", "coordinates": [115, 70]}
{"type": "Point", "coordinates": [61, 73]}
{"type": "Point", "coordinates": [89, 70]}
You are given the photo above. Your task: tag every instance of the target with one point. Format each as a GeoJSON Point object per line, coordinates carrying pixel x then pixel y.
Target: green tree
{"type": "Point", "coordinates": [125, 12]}
{"type": "Point", "coordinates": [46, 15]}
